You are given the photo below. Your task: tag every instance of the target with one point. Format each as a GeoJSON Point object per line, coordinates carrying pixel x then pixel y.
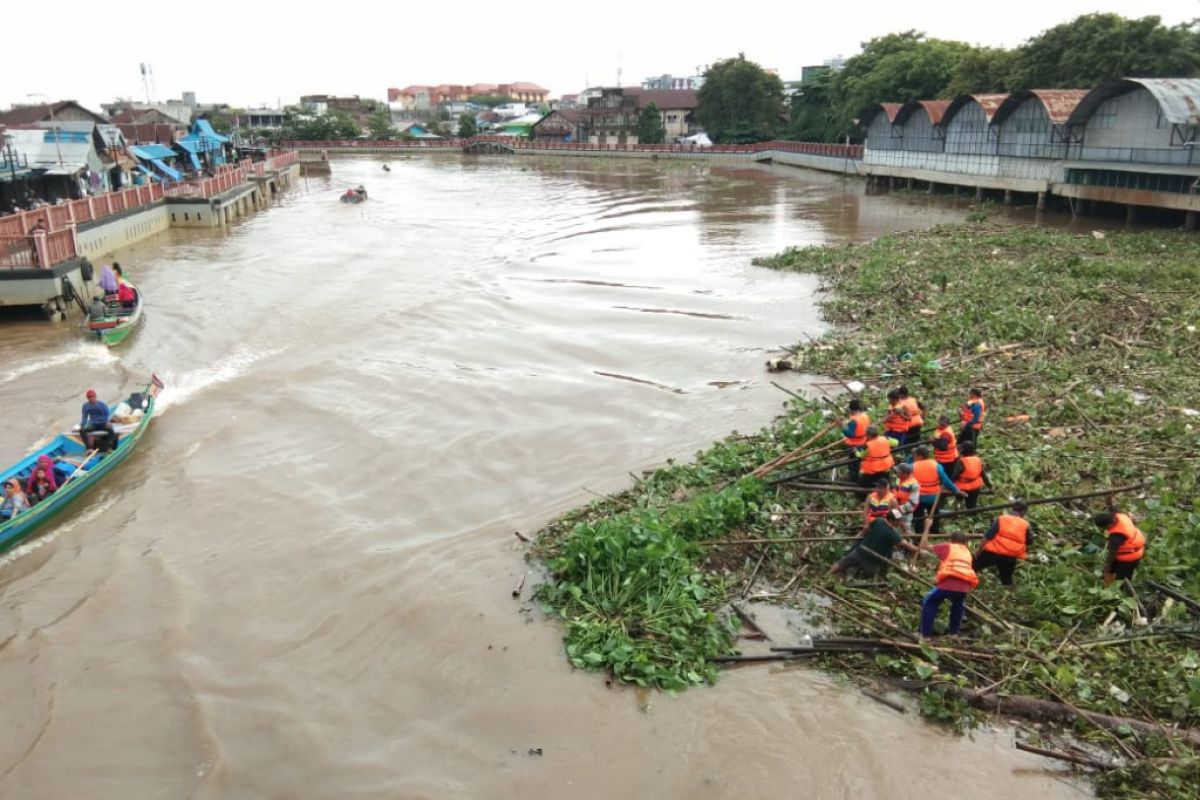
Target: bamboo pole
{"type": "Point", "coordinates": [1060, 499]}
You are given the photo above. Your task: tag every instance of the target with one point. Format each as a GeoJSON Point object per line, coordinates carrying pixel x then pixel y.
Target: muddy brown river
{"type": "Point", "coordinates": [300, 585]}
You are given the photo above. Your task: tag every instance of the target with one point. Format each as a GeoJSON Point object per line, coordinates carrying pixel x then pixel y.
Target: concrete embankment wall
{"type": "Point", "coordinates": [840, 165]}
{"type": "Point", "coordinates": [104, 237]}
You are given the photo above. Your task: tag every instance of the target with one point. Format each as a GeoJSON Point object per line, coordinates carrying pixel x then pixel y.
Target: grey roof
{"type": "Point", "coordinates": [1178, 98]}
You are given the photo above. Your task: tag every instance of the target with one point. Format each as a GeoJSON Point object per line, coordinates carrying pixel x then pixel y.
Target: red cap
{"type": "Point", "coordinates": [91, 392]}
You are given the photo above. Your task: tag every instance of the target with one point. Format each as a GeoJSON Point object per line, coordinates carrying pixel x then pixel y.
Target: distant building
{"type": "Point", "coordinates": [610, 116]}
{"type": "Point", "coordinates": [668, 82]}
{"type": "Point", "coordinates": [63, 111]}
{"type": "Point", "coordinates": [354, 107]}
{"type": "Point", "coordinates": [144, 116]}
{"type": "Point", "coordinates": [566, 102]}
{"type": "Point", "coordinates": [419, 97]}
{"type": "Point", "coordinates": [261, 118]}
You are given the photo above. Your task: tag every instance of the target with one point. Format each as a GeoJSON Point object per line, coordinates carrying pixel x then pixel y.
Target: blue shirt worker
{"type": "Point", "coordinates": [933, 480]}
{"type": "Point", "coordinates": [95, 417]}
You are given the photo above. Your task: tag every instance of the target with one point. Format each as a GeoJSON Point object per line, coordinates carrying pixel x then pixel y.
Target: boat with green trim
{"type": "Point", "coordinates": [77, 469]}
{"type": "Point", "coordinates": [111, 323]}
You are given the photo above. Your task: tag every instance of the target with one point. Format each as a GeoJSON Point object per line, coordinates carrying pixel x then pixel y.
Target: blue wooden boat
{"type": "Point", "coordinates": [76, 468]}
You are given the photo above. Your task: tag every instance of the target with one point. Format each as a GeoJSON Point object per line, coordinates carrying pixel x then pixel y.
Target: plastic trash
{"type": "Point", "coordinates": [934, 364]}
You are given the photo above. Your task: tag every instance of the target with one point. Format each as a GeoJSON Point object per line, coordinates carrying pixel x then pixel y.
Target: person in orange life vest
{"type": "Point", "coordinates": [880, 502]}
{"type": "Point", "coordinates": [916, 414]}
{"type": "Point", "coordinates": [897, 421]}
{"type": "Point", "coordinates": [908, 494]}
{"type": "Point", "coordinates": [933, 479]}
{"type": "Point", "coordinates": [1006, 542]}
{"type": "Point", "coordinates": [876, 458]}
{"type": "Point", "coordinates": [973, 414]}
{"type": "Point", "coordinates": [854, 434]}
{"type": "Point", "coordinates": [954, 581]}
{"type": "Point", "coordinates": [1126, 545]}
{"type": "Point", "coordinates": [945, 446]}
{"type": "Point", "coordinates": [972, 475]}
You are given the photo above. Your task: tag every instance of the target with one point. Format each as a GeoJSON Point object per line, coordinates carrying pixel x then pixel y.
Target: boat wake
{"type": "Point", "coordinates": [36, 542]}
{"type": "Point", "coordinates": [180, 388]}
{"type": "Point", "coordinates": [93, 352]}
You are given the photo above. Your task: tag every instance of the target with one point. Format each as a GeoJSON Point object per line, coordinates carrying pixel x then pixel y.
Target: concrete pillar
{"type": "Point", "coordinates": [1189, 220]}
{"type": "Point", "coordinates": [929, 188]}
{"type": "Point", "coordinates": [1008, 197]}
{"type": "Point", "coordinates": [1130, 214]}
{"type": "Point", "coordinates": [1041, 201]}
{"type": "Point", "coordinates": [978, 194]}
{"type": "Point", "coordinates": [909, 185]}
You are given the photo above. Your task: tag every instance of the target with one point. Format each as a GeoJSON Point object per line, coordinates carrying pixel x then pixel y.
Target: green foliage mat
{"type": "Point", "coordinates": [1090, 343]}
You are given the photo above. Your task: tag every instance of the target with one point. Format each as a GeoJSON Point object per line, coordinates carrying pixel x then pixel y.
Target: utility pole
{"type": "Point", "coordinates": [53, 126]}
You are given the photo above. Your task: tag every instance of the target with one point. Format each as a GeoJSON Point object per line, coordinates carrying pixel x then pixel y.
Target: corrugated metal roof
{"type": "Point", "coordinates": [867, 114]}
{"type": "Point", "coordinates": [1179, 98]}
{"type": "Point", "coordinates": [44, 155]}
{"type": "Point", "coordinates": [988, 102]}
{"type": "Point", "coordinates": [1058, 103]}
{"type": "Point", "coordinates": [934, 109]}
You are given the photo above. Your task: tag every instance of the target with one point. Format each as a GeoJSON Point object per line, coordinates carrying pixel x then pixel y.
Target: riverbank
{"type": "Point", "coordinates": [1093, 338]}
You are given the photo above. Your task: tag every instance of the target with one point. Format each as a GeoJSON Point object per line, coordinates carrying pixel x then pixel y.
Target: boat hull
{"type": "Point", "coordinates": [114, 335]}
{"type": "Point", "coordinates": [15, 530]}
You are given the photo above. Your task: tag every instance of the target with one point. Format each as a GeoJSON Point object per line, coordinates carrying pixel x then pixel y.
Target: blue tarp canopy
{"type": "Point", "coordinates": [150, 151]}
{"type": "Point", "coordinates": [203, 127]}
{"type": "Point", "coordinates": [195, 160]}
{"type": "Point", "coordinates": [199, 144]}
{"type": "Point", "coordinates": [165, 170]}
{"type": "Point", "coordinates": [142, 169]}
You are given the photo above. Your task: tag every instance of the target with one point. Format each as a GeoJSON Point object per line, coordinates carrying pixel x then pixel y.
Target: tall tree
{"type": "Point", "coordinates": [650, 126]}
{"type": "Point", "coordinates": [739, 101]}
{"type": "Point", "coordinates": [380, 125]}
{"type": "Point", "coordinates": [984, 70]}
{"type": "Point", "coordinates": [1095, 48]}
{"type": "Point", "coordinates": [466, 126]}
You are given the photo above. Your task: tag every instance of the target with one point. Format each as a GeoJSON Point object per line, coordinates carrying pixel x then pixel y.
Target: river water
{"type": "Point", "coordinates": [300, 585]}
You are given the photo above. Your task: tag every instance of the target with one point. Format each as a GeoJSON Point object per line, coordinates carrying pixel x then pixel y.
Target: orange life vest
{"type": "Point", "coordinates": [966, 414]}
{"type": "Point", "coordinates": [914, 412]}
{"type": "Point", "coordinates": [957, 564]}
{"type": "Point", "coordinates": [950, 454]}
{"type": "Point", "coordinates": [971, 477]}
{"type": "Point", "coordinates": [894, 422]}
{"type": "Point", "coordinates": [926, 473]}
{"type": "Point", "coordinates": [1010, 537]}
{"type": "Point", "coordinates": [861, 421]}
{"type": "Point", "coordinates": [909, 490]}
{"type": "Point", "coordinates": [878, 458]}
{"type": "Point", "coordinates": [877, 506]}
{"type": "Point", "coordinates": [1134, 545]}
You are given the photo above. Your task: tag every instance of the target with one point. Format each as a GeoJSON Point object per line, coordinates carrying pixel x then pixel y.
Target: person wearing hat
{"type": "Point", "coordinates": [1006, 542]}
{"type": "Point", "coordinates": [95, 418]}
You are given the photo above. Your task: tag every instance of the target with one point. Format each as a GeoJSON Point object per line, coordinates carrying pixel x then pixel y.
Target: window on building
{"type": "Point", "coordinates": [1105, 116]}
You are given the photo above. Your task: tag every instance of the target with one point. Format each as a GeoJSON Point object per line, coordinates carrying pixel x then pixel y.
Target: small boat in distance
{"type": "Point", "coordinates": [110, 322]}
{"type": "Point", "coordinates": [76, 467]}
{"type": "Point", "coordinates": [358, 195]}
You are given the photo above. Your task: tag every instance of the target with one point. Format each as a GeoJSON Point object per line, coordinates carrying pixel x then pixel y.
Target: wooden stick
{"type": "Point", "coordinates": [814, 539]}
{"type": "Point", "coordinates": [887, 701]}
{"type": "Point", "coordinates": [82, 463]}
{"type": "Point", "coordinates": [789, 391]}
{"type": "Point", "coordinates": [754, 659]}
{"type": "Point", "coordinates": [1074, 759]}
{"type": "Point", "coordinates": [522, 536]}
{"type": "Point", "coordinates": [1133, 487]}
{"type": "Point", "coordinates": [1179, 596]}
{"type": "Point", "coordinates": [1083, 414]}
{"type": "Point", "coordinates": [520, 585]}
{"type": "Point", "coordinates": [793, 454]}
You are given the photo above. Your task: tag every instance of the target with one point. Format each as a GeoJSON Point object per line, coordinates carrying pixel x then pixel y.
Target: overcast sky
{"type": "Point", "coordinates": [263, 53]}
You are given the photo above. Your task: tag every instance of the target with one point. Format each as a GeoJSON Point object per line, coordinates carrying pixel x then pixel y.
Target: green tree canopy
{"type": "Point", "coordinates": [380, 125]}
{"type": "Point", "coordinates": [334, 125]}
{"type": "Point", "coordinates": [739, 102]}
{"type": "Point", "coordinates": [1095, 48]}
{"type": "Point", "coordinates": [650, 126]}
{"type": "Point", "coordinates": [466, 126]}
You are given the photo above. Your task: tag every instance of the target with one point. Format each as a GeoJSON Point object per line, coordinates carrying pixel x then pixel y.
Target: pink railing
{"type": "Point", "coordinates": [19, 245]}
{"type": "Point", "coordinates": [517, 143]}
{"type": "Point", "coordinates": [17, 252]}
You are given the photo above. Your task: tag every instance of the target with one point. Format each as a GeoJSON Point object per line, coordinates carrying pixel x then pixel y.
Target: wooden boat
{"type": "Point", "coordinates": [117, 323]}
{"type": "Point", "coordinates": [354, 196]}
{"type": "Point", "coordinates": [77, 469]}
